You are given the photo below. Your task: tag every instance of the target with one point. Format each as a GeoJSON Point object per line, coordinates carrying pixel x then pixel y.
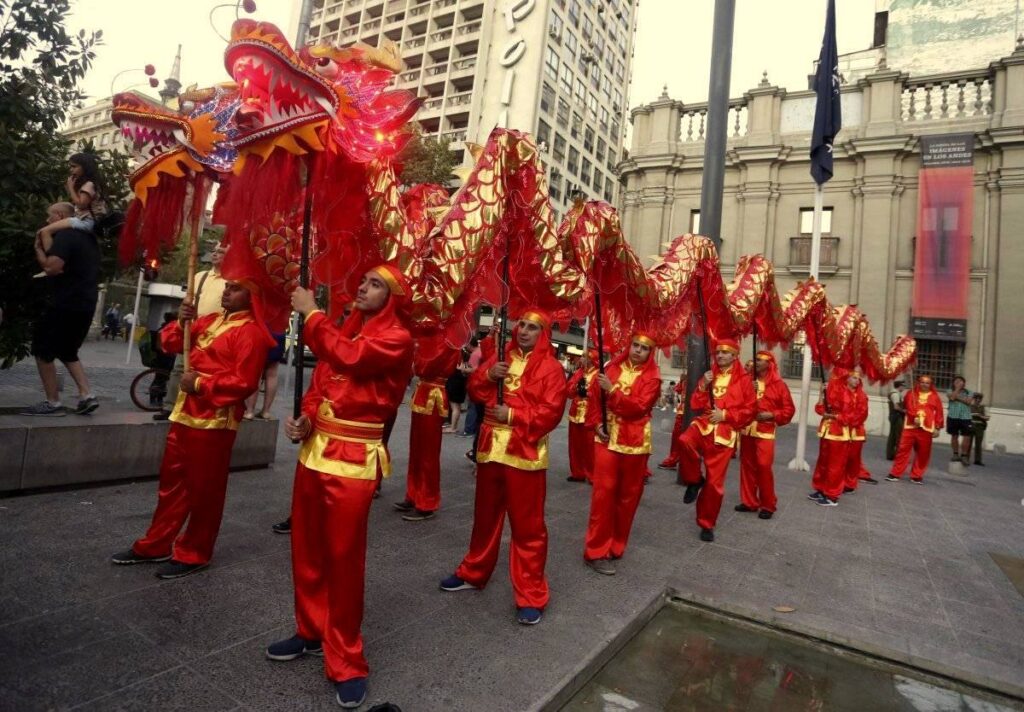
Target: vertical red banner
{"type": "Point", "coordinates": [945, 216]}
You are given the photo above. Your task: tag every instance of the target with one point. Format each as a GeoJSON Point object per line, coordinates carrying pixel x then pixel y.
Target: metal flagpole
{"type": "Point", "coordinates": [135, 317]}
{"type": "Point", "coordinates": [799, 462]}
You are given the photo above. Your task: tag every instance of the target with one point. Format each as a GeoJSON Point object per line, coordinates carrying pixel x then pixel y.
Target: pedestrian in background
{"type": "Point", "coordinates": [979, 419]}
{"type": "Point", "coordinates": [896, 417]}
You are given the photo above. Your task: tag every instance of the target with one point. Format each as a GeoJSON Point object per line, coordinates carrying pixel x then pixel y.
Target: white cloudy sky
{"type": "Point", "coordinates": [673, 43]}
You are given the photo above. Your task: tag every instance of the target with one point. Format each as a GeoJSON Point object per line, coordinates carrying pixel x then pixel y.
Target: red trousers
{"type": "Point", "coordinates": [423, 483]}
{"type": "Point", "coordinates": [193, 483]}
{"type": "Point", "coordinates": [854, 465]}
{"type": "Point", "coordinates": [618, 486]}
{"type": "Point", "coordinates": [673, 454]}
{"type": "Point", "coordinates": [521, 493]}
{"type": "Point", "coordinates": [918, 440]}
{"type": "Point", "coordinates": [757, 481]}
{"type": "Point", "coordinates": [830, 469]}
{"type": "Point", "coordinates": [329, 520]}
{"type": "Point", "coordinates": [693, 447]}
{"type": "Point", "coordinates": [581, 452]}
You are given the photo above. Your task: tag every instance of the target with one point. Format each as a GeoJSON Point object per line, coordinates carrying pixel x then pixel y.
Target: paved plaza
{"type": "Point", "coordinates": [899, 571]}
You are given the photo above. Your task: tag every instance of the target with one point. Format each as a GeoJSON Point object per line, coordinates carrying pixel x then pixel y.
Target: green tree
{"type": "Point", "coordinates": [426, 160]}
{"type": "Point", "coordinates": [40, 67]}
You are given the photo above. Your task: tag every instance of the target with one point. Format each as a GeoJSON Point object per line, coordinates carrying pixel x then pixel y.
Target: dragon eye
{"type": "Point", "coordinates": [187, 105]}
{"type": "Point", "coordinates": [326, 66]}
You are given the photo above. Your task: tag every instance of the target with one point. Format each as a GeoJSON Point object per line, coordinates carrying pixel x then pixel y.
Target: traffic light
{"type": "Point", "coordinates": [151, 270]}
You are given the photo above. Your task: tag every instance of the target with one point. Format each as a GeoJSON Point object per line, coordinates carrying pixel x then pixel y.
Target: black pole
{"type": "Point", "coordinates": [713, 176]}
{"type": "Point", "coordinates": [599, 326]}
{"type": "Point", "coordinates": [503, 315]}
{"type": "Point", "coordinates": [300, 354]}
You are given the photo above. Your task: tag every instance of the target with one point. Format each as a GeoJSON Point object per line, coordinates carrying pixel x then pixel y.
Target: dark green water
{"type": "Point", "coordinates": [684, 660]}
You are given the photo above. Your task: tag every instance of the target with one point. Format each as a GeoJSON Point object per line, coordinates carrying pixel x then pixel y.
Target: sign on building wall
{"type": "Point", "coordinates": [942, 258]}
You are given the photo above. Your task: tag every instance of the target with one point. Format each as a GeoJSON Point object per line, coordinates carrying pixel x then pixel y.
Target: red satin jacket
{"type": "Point", "coordinates": [535, 395]}
{"type": "Point", "coordinates": [358, 383]}
{"type": "Point", "coordinates": [578, 406]}
{"type": "Point", "coordinates": [633, 395]}
{"type": "Point", "coordinates": [772, 396]}
{"type": "Point", "coordinates": [850, 408]}
{"type": "Point", "coordinates": [734, 393]}
{"type": "Point", "coordinates": [229, 351]}
{"type": "Point", "coordinates": [924, 410]}
{"type": "Point", "coordinates": [432, 363]}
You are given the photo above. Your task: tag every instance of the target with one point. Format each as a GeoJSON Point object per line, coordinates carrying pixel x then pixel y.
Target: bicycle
{"type": "Point", "coordinates": [149, 389]}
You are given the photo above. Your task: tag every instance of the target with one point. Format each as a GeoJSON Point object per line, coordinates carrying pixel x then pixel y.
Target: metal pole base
{"type": "Point", "coordinates": [798, 464]}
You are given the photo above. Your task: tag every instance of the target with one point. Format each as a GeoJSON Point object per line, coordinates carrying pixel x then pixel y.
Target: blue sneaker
{"type": "Point", "coordinates": [814, 496]}
{"type": "Point", "coordinates": [351, 693]}
{"type": "Point", "coordinates": [294, 647]}
{"type": "Point", "coordinates": [826, 501]}
{"type": "Point", "coordinates": [454, 583]}
{"type": "Point", "coordinates": [528, 615]}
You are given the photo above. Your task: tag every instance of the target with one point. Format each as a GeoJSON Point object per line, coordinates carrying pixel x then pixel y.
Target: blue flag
{"type": "Point", "coordinates": [828, 115]}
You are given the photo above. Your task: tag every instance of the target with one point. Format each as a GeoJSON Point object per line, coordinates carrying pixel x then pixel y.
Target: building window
{"type": "Point", "coordinates": [588, 28]}
{"type": "Point", "coordinates": [555, 190]}
{"type": "Point", "coordinates": [543, 133]}
{"type": "Point", "coordinates": [571, 43]}
{"type": "Point", "coordinates": [565, 79]}
{"type": "Point", "coordinates": [616, 136]}
{"type": "Point", "coordinates": [559, 147]}
{"type": "Point", "coordinates": [606, 86]}
{"type": "Point", "coordinates": [577, 124]}
{"type": "Point", "coordinates": [608, 187]}
{"type": "Point", "coordinates": [547, 98]}
{"type": "Point", "coordinates": [598, 182]}
{"type": "Point", "coordinates": [585, 171]}
{"type": "Point", "coordinates": [678, 357]}
{"type": "Point", "coordinates": [694, 222]}
{"type": "Point", "coordinates": [551, 64]}
{"type": "Point", "coordinates": [807, 221]}
{"type": "Point", "coordinates": [617, 101]}
{"type": "Point", "coordinates": [555, 25]}
{"type": "Point", "coordinates": [793, 364]}
{"type": "Point", "coordinates": [563, 112]}
{"type": "Point", "coordinates": [592, 104]}
{"type": "Point", "coordinates": [601, 145]}
{"type": "Point", "coordinates": [574, 13]}
{"type": "Point", "coordinates": [579, 92]}
{"type": "Point", "coordinates": [603, 120]}
{"type": "Point", "coordinates": [588, 138]}
{"type": "Point", "coordinates": [574, 161]}
{"type": "Point", "coordinates": [941, 360]}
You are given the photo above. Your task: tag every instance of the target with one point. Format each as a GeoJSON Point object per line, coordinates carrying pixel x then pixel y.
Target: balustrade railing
{"type": "Point", "coordinates": [947, 96]}
{"type": "Point", "coordinates": [693, 123]}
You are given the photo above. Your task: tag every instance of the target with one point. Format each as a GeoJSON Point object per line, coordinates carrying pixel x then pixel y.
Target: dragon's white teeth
{"type": "Point", "coordinates": [327, 106]}
{"type": "Point", "coordinates": [180, 135]}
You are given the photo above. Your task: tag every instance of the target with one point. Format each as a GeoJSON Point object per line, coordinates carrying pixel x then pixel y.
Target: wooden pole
{"type": "Point", "coordinates": [195, 228]}
{"type": "Point", "coordinates": [300, 346]}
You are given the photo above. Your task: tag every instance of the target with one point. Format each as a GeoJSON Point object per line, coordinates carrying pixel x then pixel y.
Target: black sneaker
{"type": "Point", "coordinates": [284, 527]}
{"type": "Point", "coordinates": [46, 409]}
{"type": "Point", "coordinates": [765, 514]}
{"type": "Point", "coordinates": [918, 481]}
{"type": "Point", "coordinates": [666, 466]}
{"type": "Point", "coordinates": [570, 478]}
{"type": "Point", "coordinates": [602, 566]}
{"type": "Point", "coordinates": [87, 405]}
{"type": "Point", "coordinates": [869, 480]}
{"type": "Point", "coordinates": [418, 515]}
{"type": "Point", "coordinates": [292, 648]}
{"type": "Point", "coordinates": [527, 615]}
{"type": "Point", "coordinates": [471, 456]}
{"type": "Point", "coordinates": [454, 583]}
{"type": "Point", "coordinates": [351, 693]}
{"type": "Point", "coordinates": [743, 508]}
{"type": "Point", "coordinates": [692, 491]}
{"type": "Point", "coordinates": [405, 505]}
{"type": "Point", "coordinates": [826, 501]}
{"type": "Point", "coordinates": [707, 534]}
{"type": "Point", "coordinates": [892, 478]}
{"type": "Point", "coordinates": [162, 415]}
{"type": "Point", "coordinates": [814, 496]}
{"type": "Point", "coordinates": [848, 490]}
{"type": "Point", "coordinates": [177, 569]}
{"type": "Point", "coordinates": [129, 557]}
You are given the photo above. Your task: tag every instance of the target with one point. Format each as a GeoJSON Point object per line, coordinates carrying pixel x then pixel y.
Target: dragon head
{"type": "Point", "coordinates": [320, 97]}
{"type": "Point", "coordinates": [169, 141]}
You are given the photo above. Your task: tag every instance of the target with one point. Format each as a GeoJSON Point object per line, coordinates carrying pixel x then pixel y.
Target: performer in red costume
{"type": "Point", "coordinates": [757, 445]}
{"type": "Point", "coordinates": [362, 370]}
{"type": "Point", "coordinates": [433, 362]}
{"type": "Point", "coordinates": [855, 471]}
{"type": "Point", "coordinates": [839, 409]}
{"type": "Point", "coordinates": [924, 420]}
{"type": "Point", "coordinates": [726, 402]}
{"type": "Point", "coordinates": [229, 351]}
{"type": "Point", "coordinates": [672, 461]}
{"type": "Point", "coordinates": [631, 385]}
{"type": "Point", "coordinates": [581, 434]}
{"type": "Point", "coordinates": [512, 457]}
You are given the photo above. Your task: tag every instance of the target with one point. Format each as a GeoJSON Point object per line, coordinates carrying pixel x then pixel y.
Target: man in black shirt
{"type": "Point", "coordinates": [71, 261]}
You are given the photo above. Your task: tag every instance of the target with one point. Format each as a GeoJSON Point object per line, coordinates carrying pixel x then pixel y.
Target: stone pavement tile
{"type": "Point", "coordinates": [13, 607]}
{"type": "Point", "coordinates": [178, 690]}
{"type": "Point", "coordinates": [999, 623]}
{"type": "Point", "coordinates": [841, 574]}
{"type": "Point", "coordinates": [904, 602]}
{"type": "Point", "coordinates": [71, 677]}
{"type": "Point", "coordinates": [869, 637]}
{"type": "Point", "coordinates": [994, 650]}
{"type": "Point", "coordinates": [900, 553]}
{"type": "Point", "coordinates": [194, 616]}
{"type": "Point", "coordinates": [30, 641]}
{"type": "Point", "coordinates": [965, 581]}
{"type": "Point", "coordinates": [885, 574]}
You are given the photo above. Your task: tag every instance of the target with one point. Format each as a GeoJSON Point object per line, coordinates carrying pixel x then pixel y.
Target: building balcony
{"type": "Point", "coordinates": [464, 64]}
{"type": "Point", "coordinates": [462, 99]}
{"type": "Point", "coordinates": [435, 70]}
{"type": "Point", "coordinates": [350, 32]}
{"type": "Point", "coordinates": [414, 42]}
{"type": "Point", "coordinates": [469, 28]}
{"type": "Point", "coordinates": [413, 75]}
{"type": "Point", "coordinates": [419, 10]}
{"type": "Point", "coordinates": [455, 136]}
{"type": "Point", "coordinates": [433, 104]}
{"type": "Point", "coordinates": [440, 36]}
{"type": "Point", "coordinates": [800, 255]}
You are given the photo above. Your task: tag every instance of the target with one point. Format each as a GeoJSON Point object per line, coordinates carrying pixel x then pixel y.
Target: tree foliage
{"type": "Point", "coordinates": [40, 67]}
{"type": "Point", "coordinates": [426, 160]}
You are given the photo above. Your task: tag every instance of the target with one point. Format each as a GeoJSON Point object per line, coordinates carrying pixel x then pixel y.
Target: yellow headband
{"type": "Point", "coordinates": [645, 340]}
{"type": "Point", "coordinates": [536, 318]}
{"type": "Point", "coordinates": [393, 284]}
{"type": "Point", "coordinates": [726, 347]}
